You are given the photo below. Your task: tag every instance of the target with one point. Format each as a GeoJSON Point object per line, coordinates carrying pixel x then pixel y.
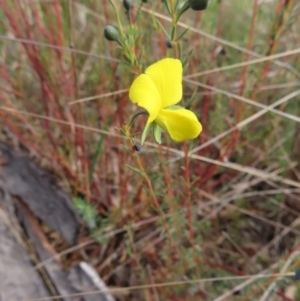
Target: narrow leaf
{"type": "Point", "coordinates": [185, 63]}
{"type": "Point", "coordinates": [96, 157]}
{"type": "Point", "coordinates": [157, 133]}
{"type": "Point", "coordinates": [165, 32]}
{"type": "Point", "coordinates": [182, 34]}
{"type": "Point", "coordinates": [135, 169]}
{"type": "Point", "coordinates": [146, 132]}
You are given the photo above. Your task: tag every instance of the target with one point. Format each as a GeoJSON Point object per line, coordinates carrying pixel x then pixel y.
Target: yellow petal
{"type": "Point", "coordinates": [181, 124]}
{"type": "Point", "coordinates": [167, 77]}
{"type": "Point", "coordinates": [144, 92]}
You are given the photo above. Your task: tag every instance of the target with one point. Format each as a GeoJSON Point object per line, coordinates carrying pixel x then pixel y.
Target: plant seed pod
{"type": "Point", "coordinates": [198, 4]}
{"type": "Point", "coordinates": [127, 5]}
{"type": "Point", "coordinates": [111, 33]}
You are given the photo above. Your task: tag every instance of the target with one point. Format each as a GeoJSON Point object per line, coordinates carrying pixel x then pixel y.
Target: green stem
{"type": "Point", "coordinates": [118, 18]}
{"type": "Point", "coordinates": [138, 113]}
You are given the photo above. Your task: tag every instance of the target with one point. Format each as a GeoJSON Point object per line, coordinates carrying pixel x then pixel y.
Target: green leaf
{"type": "Point", "coordinates": [173, 32]}
{"type": "Point", "coordinates": [157, 133]}
{"type": "Point", "coordinates": [176, 4]}
{"type": "Point", "coordinates": [96, 157]}
{"type": "Point", "coordinates": [182, 34]}
{"type": "Point", "coordinates": [180, 51]}
{"type": "Point", "coordinates": [182, 10]}
{"type": "Point", "coordinates": [191, 99]}
{"type": "Point", "coordinates": [88, 211]}
{"type": "Point", "coordinates": [136, 170]}
{"type": "Point", "coordinates": [165, 32]}
{"type": "Point", "coordinates": [146, 132]}
{"type": "Point", "coordinates": [166, 3]}
{"type": "Point", "coordinates": [185, 63]}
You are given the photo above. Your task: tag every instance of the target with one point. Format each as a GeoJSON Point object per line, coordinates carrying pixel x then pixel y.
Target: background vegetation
{"type": "Point", "coordinates": [228, 201]}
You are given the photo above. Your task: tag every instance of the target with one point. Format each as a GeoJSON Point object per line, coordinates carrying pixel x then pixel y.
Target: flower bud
{"type": "Point", "coordinates": [137, 147]}
{"type": "Point", "coordinates": [111, 33]}
{"type": "Point", "coordinates": [127, 5]}
{"type": "Point", "coordinates": [169, 43]}
{"type": "Point", "coordinates": [198, 4]}
{"type": "Point", "coordinates": [297, 274]}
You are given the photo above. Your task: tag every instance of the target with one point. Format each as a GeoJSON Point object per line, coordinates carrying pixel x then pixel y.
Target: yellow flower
{"type": "Point", "coordinates": [157, 91]}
